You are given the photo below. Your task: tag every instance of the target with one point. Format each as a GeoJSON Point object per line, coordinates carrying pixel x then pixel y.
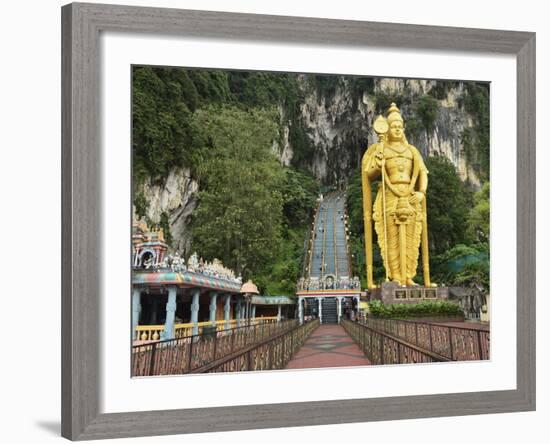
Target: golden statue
{"type": "Point", "coordinates": [399, 210]}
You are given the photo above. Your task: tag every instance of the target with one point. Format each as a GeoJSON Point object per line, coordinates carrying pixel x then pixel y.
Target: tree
{"type": "Point", "coordinates": [238, 219]}
{"type": "Point", "coordinates": [475, 275]}
{"type": "Point", "coordinates": [462, 265]}
{"type": "Point", "coordinates": [300, 191]}
{"type": "Point", "coordinates": [479, 217]}
{"type": "Point", "coordinates": [448, 203]}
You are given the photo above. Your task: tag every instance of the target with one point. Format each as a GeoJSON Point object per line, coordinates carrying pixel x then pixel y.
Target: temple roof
{"type": "Point", "coordinates": [183, 279]}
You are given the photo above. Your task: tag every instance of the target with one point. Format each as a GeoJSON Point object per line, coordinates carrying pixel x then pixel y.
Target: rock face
{"type": "Point", "coordinates": [176, 197]}
{"type": "Point", "coordinates": [339, 126]}
{"type": "Point", "coordinates": [338, 129]}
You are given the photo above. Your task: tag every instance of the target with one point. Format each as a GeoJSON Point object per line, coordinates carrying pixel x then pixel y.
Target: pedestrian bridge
{"type": "Point", "coordinates": [290, 344]}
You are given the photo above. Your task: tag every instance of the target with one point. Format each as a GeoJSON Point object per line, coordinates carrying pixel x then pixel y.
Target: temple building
{"type": "Point", "coordinates": [172, 297]}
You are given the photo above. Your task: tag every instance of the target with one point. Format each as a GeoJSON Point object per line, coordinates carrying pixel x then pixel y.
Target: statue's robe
{"type": "Point", "coordinates": [397, 197]}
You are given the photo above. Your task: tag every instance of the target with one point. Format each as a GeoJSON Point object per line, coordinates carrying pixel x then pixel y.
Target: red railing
{"type": "Point", "coordinates": [452, 342]}
{"type": "Point", "coordinates": [186, 354]}
{"type": "Point", "coordinates": [272, 354]}
{"type": "Point", "coordinates": [381, 348]}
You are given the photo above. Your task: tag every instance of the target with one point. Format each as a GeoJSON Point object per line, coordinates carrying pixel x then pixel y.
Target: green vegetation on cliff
{"type": "Point", "coordinates": [476, 140]}
{"type": "Point", "coordinates": [165, 99]}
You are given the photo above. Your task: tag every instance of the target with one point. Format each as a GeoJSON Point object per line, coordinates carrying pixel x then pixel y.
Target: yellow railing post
{"type": "Point", "coordinates": [153, 332]}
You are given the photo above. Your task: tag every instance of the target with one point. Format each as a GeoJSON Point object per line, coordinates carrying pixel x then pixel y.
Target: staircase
{"type": "Point", "coordinates": [311, 308]}
{"type": "Point", "coordinates": [327, 275]}
{"type": "Point", "coordinates": [330, 250]}
{"type": "Point", "coordinates": [330, 311]}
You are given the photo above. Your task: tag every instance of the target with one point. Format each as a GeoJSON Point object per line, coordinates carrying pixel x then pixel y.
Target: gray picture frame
{"type": "Point", "coordinates": [81, 231]}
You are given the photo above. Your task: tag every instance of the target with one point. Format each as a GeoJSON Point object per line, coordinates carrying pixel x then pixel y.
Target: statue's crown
{"type": "Point", "coordinates": [394, 114]}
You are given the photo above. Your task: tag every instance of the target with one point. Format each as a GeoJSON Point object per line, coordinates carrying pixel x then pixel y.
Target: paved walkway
{"type": "Point", "coordinates": [328, 346]}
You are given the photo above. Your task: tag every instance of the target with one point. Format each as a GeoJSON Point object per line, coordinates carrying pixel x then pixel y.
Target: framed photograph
{"type": "Point", "coordinates": [266, 212]}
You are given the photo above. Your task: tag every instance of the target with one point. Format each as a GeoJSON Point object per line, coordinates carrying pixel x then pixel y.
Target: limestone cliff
{"type": "Point", "coordinates": [173, 201]}
{"type": "Point", "coordinates": [338, 125]}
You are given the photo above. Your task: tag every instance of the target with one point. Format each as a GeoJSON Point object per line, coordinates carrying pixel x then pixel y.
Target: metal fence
{"type": "Point", "coordinates": [186, 354]}
{"type": "Point", "coordinates": [452, 342]}
{"type": "Point", "coordinates": [271, 354]}
{"type": "Point", "coordinates": [381, 348]}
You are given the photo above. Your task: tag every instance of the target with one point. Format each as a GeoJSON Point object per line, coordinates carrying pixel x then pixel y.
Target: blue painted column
{"type": "Point", "coordinates": [253, 312]}
{"type": "Point", "coordinates": [238, 308]}
{"type": "Point", "coordinates": [278, 313]}
{"type": "Point", "coordinates": [168, 332]}
{"type": "Point", "coordinates": [195, 292]}
{"type": "Point", "coordinates": [227, 310]}
{"type": "Point", "coordinates": [136, 310]}
{"type": "Point", "coordinates": [213, 300]}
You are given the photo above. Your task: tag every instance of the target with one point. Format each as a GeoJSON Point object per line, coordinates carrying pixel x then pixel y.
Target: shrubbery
{"type": "Point", "coordinates": [423, 309]}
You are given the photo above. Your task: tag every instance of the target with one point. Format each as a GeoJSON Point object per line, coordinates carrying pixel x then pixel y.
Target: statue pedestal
{"type": "Point", "coordinates": [392, 293]}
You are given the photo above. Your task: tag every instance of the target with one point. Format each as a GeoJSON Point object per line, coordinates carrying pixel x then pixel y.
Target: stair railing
{"type": "Point", "coordinates": [335, 248]}
{"type": "Point", "coordinates": [312, 239]}
{"type": "Point", "coordinates": [323, 254]}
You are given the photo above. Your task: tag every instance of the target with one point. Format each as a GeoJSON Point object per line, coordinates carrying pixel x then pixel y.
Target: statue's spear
{"type": "Point", "coordinates": [381, 127]}
{"type": "Point", "coordinates": [385, 256]}
{"type": "Point", "coordinates": [367, 218]}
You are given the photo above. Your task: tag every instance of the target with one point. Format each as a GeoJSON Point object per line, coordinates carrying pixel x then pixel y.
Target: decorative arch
{"type": "Point", "coordinates": [143, 252]}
